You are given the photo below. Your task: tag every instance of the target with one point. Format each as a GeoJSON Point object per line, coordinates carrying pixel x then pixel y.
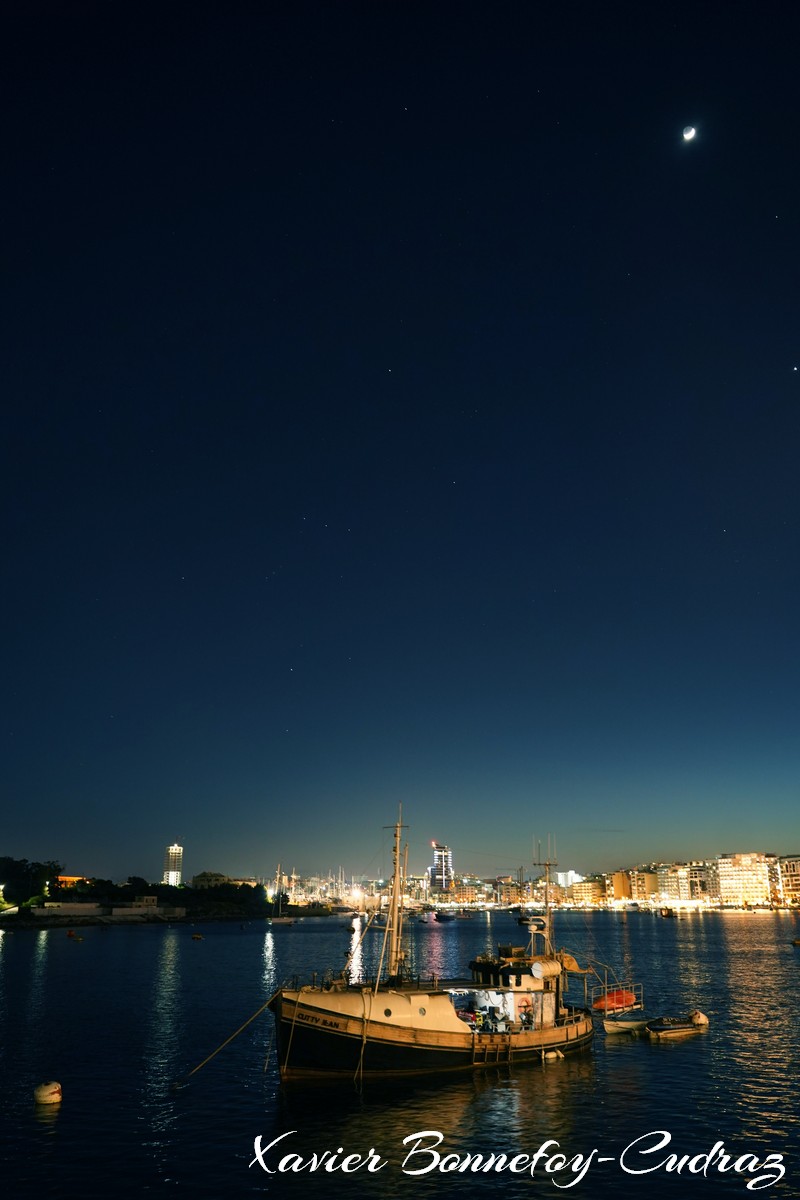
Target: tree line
{"type": "Point", "coordinates": [28, 883]}
{"type": "Point", "coordinates": [25, 881]}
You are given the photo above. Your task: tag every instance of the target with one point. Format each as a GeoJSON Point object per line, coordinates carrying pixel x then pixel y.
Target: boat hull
{"type": "Point", "coordinates": [315, 1042]}
{"type": "Point", "coordinates": [623, 1023]}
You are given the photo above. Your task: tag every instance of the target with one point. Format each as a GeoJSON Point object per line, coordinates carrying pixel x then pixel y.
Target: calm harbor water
{"type": "Point", "coordinates": [124, 1015]}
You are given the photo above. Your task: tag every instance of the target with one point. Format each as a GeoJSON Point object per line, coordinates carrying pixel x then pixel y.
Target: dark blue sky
{"type": "Point", "coordinates": [398, 409]}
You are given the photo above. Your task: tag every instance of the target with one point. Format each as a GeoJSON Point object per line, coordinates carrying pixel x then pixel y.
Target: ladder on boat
{"type": "Point", "coordinates": [489, 1052]}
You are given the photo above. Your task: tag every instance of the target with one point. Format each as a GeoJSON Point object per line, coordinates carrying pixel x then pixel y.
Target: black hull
{"type": "Point", "coordinates": [305, 1051]}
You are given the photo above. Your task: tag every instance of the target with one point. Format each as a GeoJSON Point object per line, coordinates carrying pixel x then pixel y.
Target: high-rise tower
{"type": "Point", "coordinates": [442, 869]}
{"type": "Point", "coordinates": [173, 865]}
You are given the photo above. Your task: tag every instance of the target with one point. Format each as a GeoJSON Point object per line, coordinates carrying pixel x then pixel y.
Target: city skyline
{"type": "Point", "coordinates": [442, 854]}
{"type": "Point", "coordinates": [734, 879]}
{"type": "Point", "coordinates": [400, 411]}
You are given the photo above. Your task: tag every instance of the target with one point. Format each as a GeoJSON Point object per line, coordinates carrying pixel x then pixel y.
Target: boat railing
{"type": "Point", "coordinates": [573, 1016]}
{"type": "Point", "coordinates": [614, 996]}
{"type": "Point", "coordinates": [330, 982]}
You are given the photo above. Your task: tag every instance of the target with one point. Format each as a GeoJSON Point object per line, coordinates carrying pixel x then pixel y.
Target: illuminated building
{"type": "Point", "coordinates": [173, 865]}
{"type": "Point", "coordinates": [588, 892]}
{"type": "Point", "coordinates": [442, 869]}
{"type": "Point", "coordinates": [743, 879]}
{"type": "Point", "coordinates": [789, 878]}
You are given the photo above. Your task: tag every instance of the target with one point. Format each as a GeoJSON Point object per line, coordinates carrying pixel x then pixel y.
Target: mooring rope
{"type": "Point", "coordinates": [229, 1040]}
{"type": "Point", "coordinates": [358, 1077]}
{"type": "Point", "coordinates": [294, 1022]}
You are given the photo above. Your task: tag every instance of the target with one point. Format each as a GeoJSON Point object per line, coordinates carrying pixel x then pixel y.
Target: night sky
{"type": "Point", "coordinates": [397, 409]}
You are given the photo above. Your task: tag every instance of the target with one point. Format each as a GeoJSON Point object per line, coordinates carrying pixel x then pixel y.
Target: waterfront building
{"type": "Point", "coordinates": [774, 875]}
{"type": "Point", "coordinates": [743, 879]}
{"type": "Point", "coordinates": [698, 880]}
{"type": "Point", "coordinates": [589, 891]}
{"type": "Point", "coordinates": [712, 880]}
{"type": "Point", "coordinates": [508, 890]}
{"type": "Point", "coordinates": [673, 881]}
{"type": "Point", "coordinates": [565, 879]}
{"type": "Point", "coordinates": [618, 886]}
{"type": "Point", "coordinates": [465, 893]}
{"type": "Point", "coordinates": [173, 865]}
{"type": "Point", "coordinates": [789, 869]}
{"type": "Point", "coordinates": [416, 888]}
{"type": "Point", "coordinates": [644, 884]}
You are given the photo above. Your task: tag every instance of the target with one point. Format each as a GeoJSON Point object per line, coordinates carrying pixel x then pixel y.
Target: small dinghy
{"type": "Point", "coordinates": [673, 1027]}
{"type": "Point", "coordinates": [621, 1006]}
{"type": "Point", "coordinates": [625, 1022]}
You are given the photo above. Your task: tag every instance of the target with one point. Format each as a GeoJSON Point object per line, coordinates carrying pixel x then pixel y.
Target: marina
{"type": "Point", "coordinates": [123, 1020]}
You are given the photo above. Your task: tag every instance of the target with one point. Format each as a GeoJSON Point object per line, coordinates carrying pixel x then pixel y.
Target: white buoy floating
{"type": "Point", "coordinates": [48, 1093]}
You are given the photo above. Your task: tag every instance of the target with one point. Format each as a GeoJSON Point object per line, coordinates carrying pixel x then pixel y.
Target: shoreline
{"type": "Point", "coordinates": [72, 921]}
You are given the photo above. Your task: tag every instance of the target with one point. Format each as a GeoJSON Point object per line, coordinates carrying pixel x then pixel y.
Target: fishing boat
{"type": "Point", "coordinates": [675, 1027]}
{"type": "Point", "coordinates": [513, 1008]}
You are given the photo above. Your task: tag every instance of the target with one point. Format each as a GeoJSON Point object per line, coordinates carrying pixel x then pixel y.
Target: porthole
{"type": "Point", "coordinates": [422, 1012]}
{"type": "Point", "coordinates": [387, 1012]}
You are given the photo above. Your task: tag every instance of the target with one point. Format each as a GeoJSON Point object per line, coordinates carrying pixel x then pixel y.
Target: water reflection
{"type": "Point", "coordinates": [161, 1047]}
{"type": "Point", "coordinates": [5, 958]}
{"type": "Point", "coordinates": [34, 1002]}
{"type": "Point", "coordinates": [753, 966]}
{"type": "Point", "coordinates": [496, 1112]}
{"type": "Point", "coordinates": [47, 1115]}
{"type": "Point", "coordinates": [268, 961]}
{"type": "Point", "coordinates": [355, 955]}
{"type": "Point", "coordinates": [162, 1041]}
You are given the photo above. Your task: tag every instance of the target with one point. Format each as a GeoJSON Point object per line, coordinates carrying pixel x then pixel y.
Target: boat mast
{"type": "Point", "coordinates": [547, 863]}
{"type": "Point", "coordinates": [395, 920]}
